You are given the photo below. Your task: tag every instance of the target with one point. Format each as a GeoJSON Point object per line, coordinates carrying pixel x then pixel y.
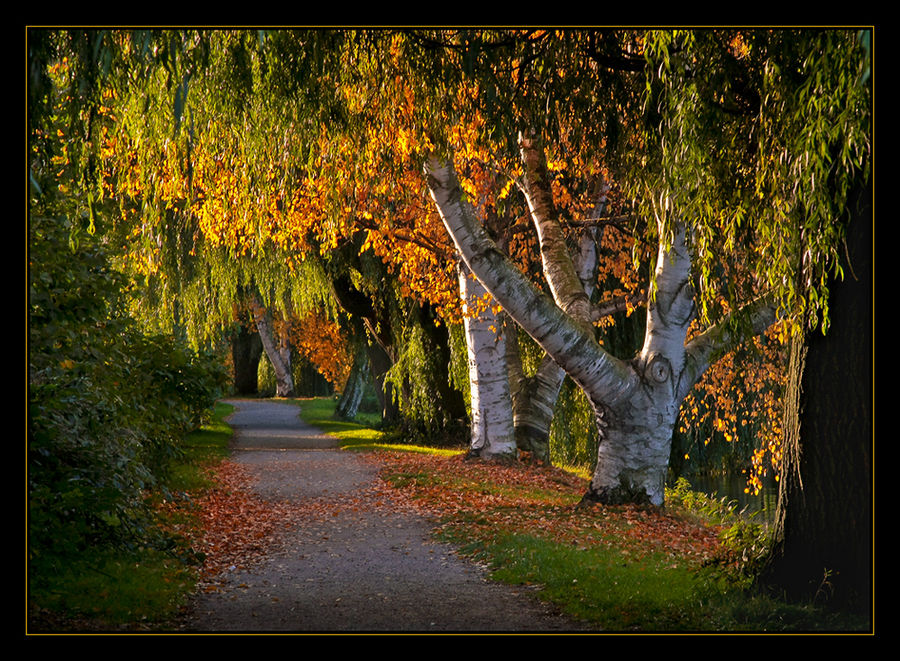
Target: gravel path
{"type": "Point", "coordinates": [368, 571]}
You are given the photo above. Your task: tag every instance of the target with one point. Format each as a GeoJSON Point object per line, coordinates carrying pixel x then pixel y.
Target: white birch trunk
{"type": "Point", "coordinates": [492, 432]}
{"type": "Point", "coordinates": [634, 448]}
{"type": "Point", "coordinates": [635, 416]}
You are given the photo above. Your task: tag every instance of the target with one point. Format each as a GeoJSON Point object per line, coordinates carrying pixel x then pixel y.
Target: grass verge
{"type": "Point", "coordinates": [358, 434]}
{"type": "Point", "coordinates": [621, 569]}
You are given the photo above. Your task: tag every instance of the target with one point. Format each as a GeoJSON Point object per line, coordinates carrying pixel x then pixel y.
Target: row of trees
{"type": "Point", "coordinates": [526, 186]}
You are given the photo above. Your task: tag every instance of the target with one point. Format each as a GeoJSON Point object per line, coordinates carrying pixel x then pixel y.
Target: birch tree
{"type": "Point", "coordinates": [700, 176]}
{"type": "Point", "coordinates": [636, 402]}
{"type": "Point", "coordinates": [492, 430]}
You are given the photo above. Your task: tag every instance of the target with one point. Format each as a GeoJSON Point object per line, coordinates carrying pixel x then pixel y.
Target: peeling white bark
{"type": "Point", "coordinates": [634, 450]}
{"type": "Point", "coordinates": [636, 402]}
{"type": "Point", "coordinates": [492, 433]}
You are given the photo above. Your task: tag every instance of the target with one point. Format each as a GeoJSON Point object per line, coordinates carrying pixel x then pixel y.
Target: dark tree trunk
{"type": "Point", "coordinates": [375, 323]}
{"type": "Point", "coordinates": [453, 402]}
{"type": "Point", "coordinates": [309, 381]}
{"type": "Point", "coordinates": [379, 364]}
{"type": "Point", "coordinates": [246, 351]}
{"type": "Point", "coordinates": [824, 527]}
{"type": "Point", "coordinates": [348, 404]}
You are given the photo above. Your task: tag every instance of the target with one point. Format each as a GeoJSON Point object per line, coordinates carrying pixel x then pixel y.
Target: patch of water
{"type": "Point", "coordinates": [760, 506]}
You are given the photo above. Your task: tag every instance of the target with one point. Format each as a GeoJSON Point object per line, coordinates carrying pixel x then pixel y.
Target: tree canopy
{"type": "Point", "coordinates": [343, 176]}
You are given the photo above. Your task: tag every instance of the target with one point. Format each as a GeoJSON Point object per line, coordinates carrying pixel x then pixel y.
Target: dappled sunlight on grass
{"type": "Point", "coordinates": [319, 412]}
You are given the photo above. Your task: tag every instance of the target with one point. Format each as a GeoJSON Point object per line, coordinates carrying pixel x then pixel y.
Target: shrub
{"type": "Point", "coordinates": [107, 406]}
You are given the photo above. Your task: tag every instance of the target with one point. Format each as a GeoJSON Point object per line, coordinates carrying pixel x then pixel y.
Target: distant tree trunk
{"type": "Point", "coordinates": [246, 350]}
{"type": "Point", "coordinates": [374, 324]}
{"type": "Point", "coordinates": [308, 380]}
{"type": "Point", "coordinates": [492, 431]}
{"type": "Point", "coordinates": [277, 350]}
{"type": "Point", "coordinates": [380, 363]}
{"type": "Point", "coordinates": [348, 404]}
{"type": "Point", "coordinates": [824, 521]}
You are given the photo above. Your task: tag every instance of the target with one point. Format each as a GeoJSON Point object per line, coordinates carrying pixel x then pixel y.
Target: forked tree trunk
{"type": "Point", "coordinates": [636, 431]}
{"type": "Point", "coordinates": [636, 402]}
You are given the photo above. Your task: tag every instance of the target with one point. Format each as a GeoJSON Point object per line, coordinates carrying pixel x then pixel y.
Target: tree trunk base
{"type": "Point", "coordinates": [620, 495]}
{"type": "Point", "coordinates": [476, 455]}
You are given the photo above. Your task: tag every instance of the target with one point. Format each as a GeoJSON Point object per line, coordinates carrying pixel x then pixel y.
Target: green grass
{"type": "Point", "coordinates": [358, 434]}
{"type": "Point", "coordinates": [602, 585]}
{"type": "Point", "coordinates": [616, 592]}
{"type": "Point", "coordinates": [202, 448]}
{"type": "Point", "coordinates": [112, 590]}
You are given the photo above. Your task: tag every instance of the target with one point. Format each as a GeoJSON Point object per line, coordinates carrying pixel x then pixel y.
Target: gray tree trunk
{"type": "Point", "coordinates": [636, 402]}
{"type": "Point", "coordinates": [277, 349]}
{"type": "Point", "coordinates": [348, 404]}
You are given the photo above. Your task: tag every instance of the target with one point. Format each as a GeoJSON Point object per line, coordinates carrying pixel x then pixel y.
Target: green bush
{"type": "Point", "coordinates": [107, 406]}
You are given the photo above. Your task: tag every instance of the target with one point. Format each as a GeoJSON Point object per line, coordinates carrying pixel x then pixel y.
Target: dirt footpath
{"type": "Point", "coordinates": [362, 569]}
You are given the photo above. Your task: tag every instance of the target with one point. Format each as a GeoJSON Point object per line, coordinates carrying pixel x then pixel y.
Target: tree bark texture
{"type": "Point", "coordinates": [824, 527]}
{"type": "Point", "coordinates": [492, 430]}
{"type": "Point", "coordinates": [534, 399]}
{"type": "Point", "coordinates": [352, 394]}
{"type": "Point", "coordinates": [277, 350]}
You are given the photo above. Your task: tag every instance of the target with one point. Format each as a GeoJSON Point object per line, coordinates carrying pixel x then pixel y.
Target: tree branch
{"type": "Point", "coordinates": [716, 341]}
{"type": "Point", "coordinates": [618, 304]}
{"type": "Point", "coordinates": [569, 343]}
{"type": "Point", "coordinates": [559, 270]}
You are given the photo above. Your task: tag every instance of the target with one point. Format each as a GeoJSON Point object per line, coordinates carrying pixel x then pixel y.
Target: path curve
{"type": "Point", "coordinates": [375, 570]}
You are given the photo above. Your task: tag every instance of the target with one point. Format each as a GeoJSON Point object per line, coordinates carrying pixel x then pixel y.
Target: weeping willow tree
{"type": "Point", "coordinates": [225, 146]}
{"type": "Point", "coordinates": [109, 401]}
{"type": "Point", "coordinates": [200, 186]}
{"type": "Point", "coordinates": [765, 136]}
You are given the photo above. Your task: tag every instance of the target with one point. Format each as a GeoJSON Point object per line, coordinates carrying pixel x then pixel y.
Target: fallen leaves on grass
{"type": "Point", "coordinates": [491, 499]}
{"type": "Point", "coordinates": [488, 498]}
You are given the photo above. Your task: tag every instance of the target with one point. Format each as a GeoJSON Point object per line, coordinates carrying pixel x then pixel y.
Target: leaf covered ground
{"type": "Point", "coordinates": [471, 502]}
{"type": "Point", "coordinates": [492, 499]}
